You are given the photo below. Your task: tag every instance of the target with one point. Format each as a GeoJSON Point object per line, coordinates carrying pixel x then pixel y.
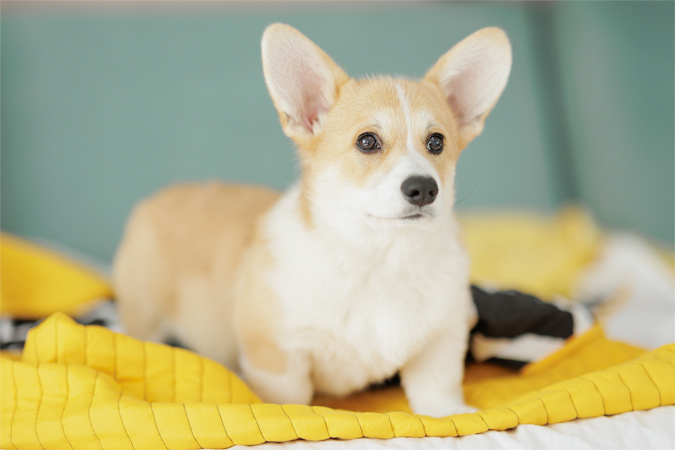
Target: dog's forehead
{"type": "Point", "coordinates": [398, 99]}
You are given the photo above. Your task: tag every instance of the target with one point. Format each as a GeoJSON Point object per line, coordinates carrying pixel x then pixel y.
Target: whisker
{"type": "Point", "coordinates": [466, 196]}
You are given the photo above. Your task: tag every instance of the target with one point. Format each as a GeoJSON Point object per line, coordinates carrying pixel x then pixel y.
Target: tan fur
{"type": "Point", "coordinates": [179, 257]}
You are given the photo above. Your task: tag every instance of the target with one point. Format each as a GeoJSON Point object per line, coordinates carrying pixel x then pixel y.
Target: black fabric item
{"type": "Point", "coordinates": [13, 332]}
{"type": "Point", "coordinates": [508, 314]}
{"type": "Point", "coordinates": [509, 363]}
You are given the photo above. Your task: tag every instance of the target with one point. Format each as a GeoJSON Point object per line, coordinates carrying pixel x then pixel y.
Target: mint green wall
{"type": "Point", "coordinates": [101, 107]}
{"type": "Point", "coordinates": [617, 84]}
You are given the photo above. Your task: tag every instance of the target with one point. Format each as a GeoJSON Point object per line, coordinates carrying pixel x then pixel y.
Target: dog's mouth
{"type": "Point", "coordinates": [406, 217]}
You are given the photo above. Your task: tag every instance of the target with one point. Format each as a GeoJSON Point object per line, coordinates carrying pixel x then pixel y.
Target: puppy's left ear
{"type": "Point", "coordinates": [472, 76]}
{"type": "Point", "coordinates": [303, 80]}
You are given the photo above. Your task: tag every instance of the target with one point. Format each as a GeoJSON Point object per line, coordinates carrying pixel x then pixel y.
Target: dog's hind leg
{"type": "Point", "coordinates": [139, 281]}
{"type": "Point", "coordinates": [288, 381]}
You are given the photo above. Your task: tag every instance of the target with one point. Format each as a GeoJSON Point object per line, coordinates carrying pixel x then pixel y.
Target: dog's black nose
{"type": "Point", "coordinates": [420, 190]}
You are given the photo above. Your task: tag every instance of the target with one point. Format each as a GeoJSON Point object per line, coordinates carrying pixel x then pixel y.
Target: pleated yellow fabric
{"type": "Point", "coordinates": [87, 387]}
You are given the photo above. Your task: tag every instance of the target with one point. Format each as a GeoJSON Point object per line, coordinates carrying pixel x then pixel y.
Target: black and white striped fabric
{"type": "Point", "coordinates": [513, 328]}
{"type": "Point", "coordinates": [103, 312]}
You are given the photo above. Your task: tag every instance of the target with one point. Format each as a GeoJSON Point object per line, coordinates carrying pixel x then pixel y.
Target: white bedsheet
{"type": "Point", "coordinates": [653, 429]}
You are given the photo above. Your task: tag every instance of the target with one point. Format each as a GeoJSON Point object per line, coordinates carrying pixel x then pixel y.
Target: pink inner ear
{"type": "Point", "coordinates": [311, 101]}
{"type": "Point", "coordinates": [464, 95]}
{"type": "Point", "coordinates": [313, 108]}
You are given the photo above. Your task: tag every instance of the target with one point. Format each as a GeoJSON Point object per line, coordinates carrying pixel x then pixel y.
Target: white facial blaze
{"type": "Point", "coordinates": [413, 163]}
{"type": "Point", "coordinates": [405, 107]}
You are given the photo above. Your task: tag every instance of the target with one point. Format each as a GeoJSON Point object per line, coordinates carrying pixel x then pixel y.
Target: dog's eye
{"type": "Point", "coordinates": [435, 143]}
{"type": "Point", "coordinates": [368, 143]}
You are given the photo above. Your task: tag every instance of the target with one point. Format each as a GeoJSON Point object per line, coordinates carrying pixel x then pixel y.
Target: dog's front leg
{"type": "Point", "coordinates": [278, 377]}
{"type": "Point", "coordinates": [433, 378]}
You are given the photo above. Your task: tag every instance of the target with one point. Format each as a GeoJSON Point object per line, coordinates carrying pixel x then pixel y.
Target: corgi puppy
{"type": "Point", "coordinates": [355, 273]}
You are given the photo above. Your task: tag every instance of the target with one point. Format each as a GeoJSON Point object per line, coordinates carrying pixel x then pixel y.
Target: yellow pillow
{"type": "Point", "coordinates": [37, 282]}
{"type": "Point", "coordinates": [540, 255]}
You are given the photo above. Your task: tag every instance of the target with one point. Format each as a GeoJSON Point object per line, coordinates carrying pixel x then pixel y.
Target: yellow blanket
{"type": "Point", "coordinates": [86, 387]}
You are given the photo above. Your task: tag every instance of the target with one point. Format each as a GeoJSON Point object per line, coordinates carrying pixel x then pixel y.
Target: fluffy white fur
{"type": "Point", "coordinates": [367, 301]}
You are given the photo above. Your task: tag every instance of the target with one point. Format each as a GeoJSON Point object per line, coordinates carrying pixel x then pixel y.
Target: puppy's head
{"type": "Point", "coordinates": [381, 151]}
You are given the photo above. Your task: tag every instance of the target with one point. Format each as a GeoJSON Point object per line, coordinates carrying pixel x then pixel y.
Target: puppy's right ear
{"type": "Point", "coordinates": [303, 81]}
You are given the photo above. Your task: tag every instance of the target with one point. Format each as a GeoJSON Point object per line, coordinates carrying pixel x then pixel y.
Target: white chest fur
{"type": "Point", "coordinates": [361, 309]}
